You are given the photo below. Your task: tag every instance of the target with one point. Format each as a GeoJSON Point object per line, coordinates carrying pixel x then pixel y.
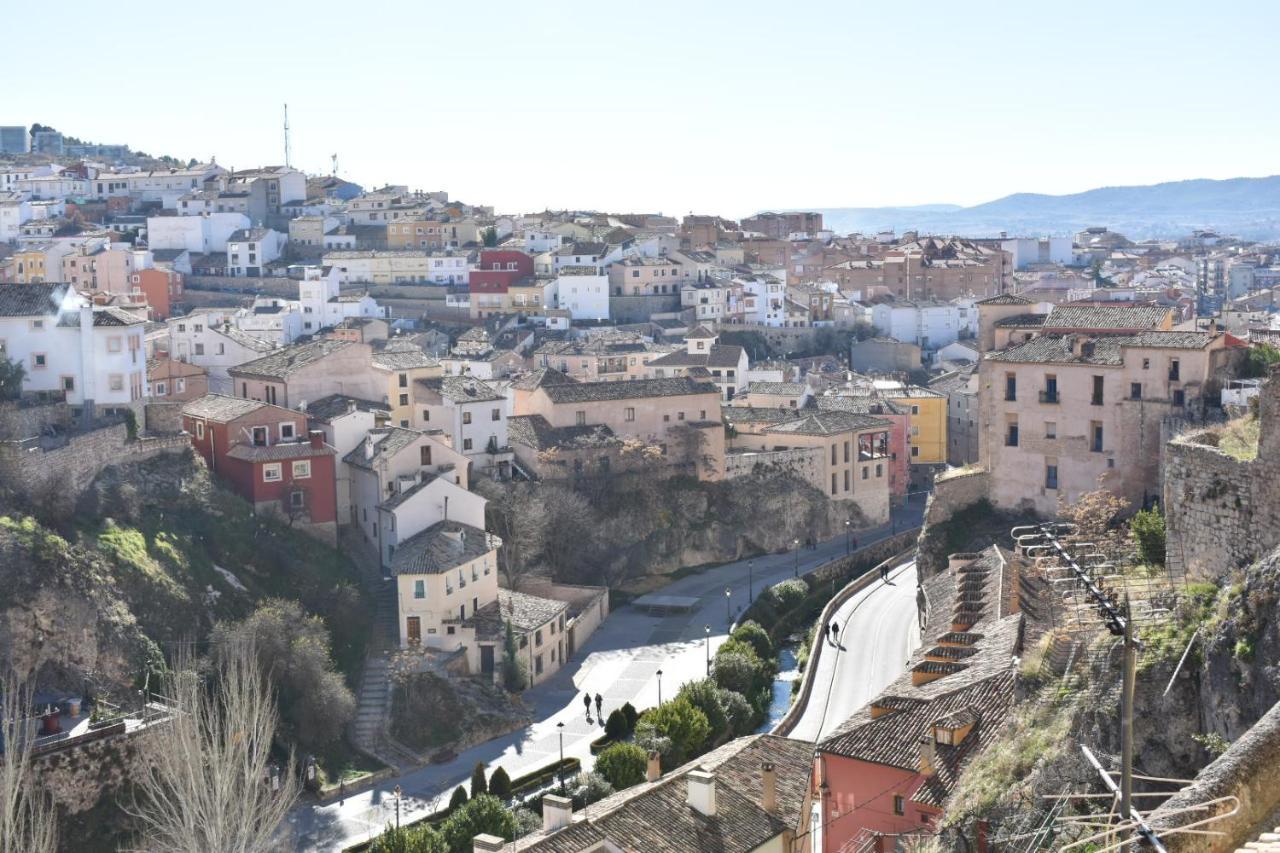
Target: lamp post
{"type": "Point", "coordinates": [397, 793]}
{"type": "Point", "coordinates": [848, 532]}
{"type": "Point", "coordinates": [751, 581]}
{"type": "Point", "coordinates": [659, 687]}
{"type": "Point", "coordinates": [560, 766]}
{"type": "Point", "coordinates": [728, 614]}
{"type": "Point", "coordinates": [706, 629]}
{"type": "Point", "coordinates": [796, 547]}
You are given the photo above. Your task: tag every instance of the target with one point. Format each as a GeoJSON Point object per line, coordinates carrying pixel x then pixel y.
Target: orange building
{"type": "Point", "coordinates": [162, 288]}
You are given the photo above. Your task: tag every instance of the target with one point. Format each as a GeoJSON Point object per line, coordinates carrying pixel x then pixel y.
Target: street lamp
{"type": "Point", "coordinates": [796, 547]}
{"type": "Point", "coordinates": [397, 793]}
{"type": "Point", "coordinates": [728, 615]}
{"type": "Point", "coordinates": [707, 630]}
{"type": "Point", "coordinates": [848, 532]}
{"type": "Point", "coordinates": [560, 766]}
{"type": "Point", "coordinates": [751, 581]}
{"type": "Point", "coordinates": [659, 687]}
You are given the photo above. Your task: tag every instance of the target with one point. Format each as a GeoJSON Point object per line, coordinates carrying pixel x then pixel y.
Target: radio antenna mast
{"type": "Point", "coordinates": [286, 136]}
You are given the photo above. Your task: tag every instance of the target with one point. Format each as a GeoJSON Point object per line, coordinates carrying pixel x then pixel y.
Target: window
{"type": "Point", "coordinates": [1010, 388]}
{"type": "Point", "coordinates": [37, 325]}
{"type": "Point", "coordinates": [537, 637]}
{"type": "Point", "coordinates": [466, 417]}
{"type": "Point", "coordinates": [915, 410]}
{"type": "Point", "coordinates": [404, 380]}
{"type": "Point", "coordinates": [426, 414]}
{"type": "Point", "coordinates": [200, 430]}
{"type": "Point", "coordinates": [259, 436]}
{"type": "Point", "coordinates": [629, 414]}
{"type": "Point", "coordinates": [1097, 391]}
{"type": "Point", "coordinates": [424, 454]}
{"type": "Point", "coordinates": [1179, 397]}
{"type": "Point", "coordinates": [301, 469]}
{"type": "Point", "coordinates": [404, 399]}
{"type": "Point", "coordinates": [879, 470]}
{"type": "Point", "coordinates": [537, 665]}
{"type": "Point", "coordinates": [1175, 370]}
{"type": "Point", "coordinates": [1095, 436]}
{"type": "Point", "coordinates": [297, 499]}
{"type": "Point", "coordinates": [679, 416]}
{"type": "Point", "coordinates": [39, 361]}
{"type": "Point", "coordinates": [899, 805]}
{"type": "Point", "coordinates": [271, 473]}
{"type": "Point", "coordinates": [495, 415]}
{"type": "Point", "coordinates": [1050, 394]}
{"type": "Point", "coordinates": [1051, 475]}
{"type": "Point", "coordinates": [1135, 390]}
{"type": "Point", "coordinates": [580, 418]}
{"type": "Point", "coordinates": [286, 432]}
{"type": "Point", "coordinates": [69, 384]}
{"type": "Point", "coordinates": [1050, 429]}
{"type": "Point", "coordinates": [116, 381]}
{"type": "Point", "coordinates": [466, 444]}
{"type": "Point", "coordinates": [199, 349]}
{"type": "Point", "coordinates": [115, 344]}
{"type": "Point", "coordinates": [833, 484]}
{"type": "Point", "coordinates": [1011, 434]}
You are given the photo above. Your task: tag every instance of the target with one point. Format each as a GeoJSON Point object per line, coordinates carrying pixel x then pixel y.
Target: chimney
{"type": "Point", "coordinates": [487, 843]}
{"type": "Point", "coordinates": [317, 439]}
{"type": "Point", "coordinates": [557, 812]}
{"type": "Point", "coordinates": [928, 754]}
{"type": "Point", "coordinates": [702, 791]}
{"type": "Point", "coordinates": [653, 772]}
{"type": "Point", "coordinates": [351, 406]}
{"type": "Point", "coordinates": [368, 448]}
{"type": "Point", "coordinates": [769, 792]}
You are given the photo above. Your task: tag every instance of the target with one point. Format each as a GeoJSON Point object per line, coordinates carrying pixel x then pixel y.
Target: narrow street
{"type": "Point", "coordinates": [620, 662]}
{"type": "Point", "coordinates": [878, 631]}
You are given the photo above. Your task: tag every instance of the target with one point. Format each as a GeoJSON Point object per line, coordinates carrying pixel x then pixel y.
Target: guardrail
{"type": "Point", "coordinates": [789, 719]}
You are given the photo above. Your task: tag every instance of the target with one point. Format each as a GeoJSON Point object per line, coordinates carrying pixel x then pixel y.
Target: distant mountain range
{"type": "Point", "coordinates": [1245, 207]}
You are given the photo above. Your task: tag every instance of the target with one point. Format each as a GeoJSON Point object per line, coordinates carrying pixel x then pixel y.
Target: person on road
{"type": "Point", "coordinates": [586, 701]}
{"type": "Point", "coordinates": [835, 634]}
{"type": "Point", "coordinates": [855, 543]}
{"type": "Point", "coordinates": [599, 706]}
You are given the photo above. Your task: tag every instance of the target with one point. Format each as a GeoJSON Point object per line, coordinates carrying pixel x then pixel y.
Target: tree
{"type": "Point", "coordinates": [422, 838]}
{"type": "Point", "coordinates": [571, 534]}
{"type": "Point", "coordinates": [738, 711]}
{"type": "Point", "coordinates": [615, 727]}
{"type": "Point", "coordinates": [755, 636]}
{"type": "Point", "coordinates": [490, 237]}
{"type": "Point", "coordinates": [293, 648]}
{"type": "Point", "coordinates": [685, 726]}
{"type": "Point", "coordinates": [623, 764]}
{"type": "Point", "coordinates": [478, 784]}
{"type": "Point", "coordinates": [500, 784]}
{"type": "Point", "coordinates": [1147, 527]}
{"type": "Point", "coordinates": [28, 819]}
{"type": "Point", "coordinates": [459, 797]}
{"type": "Point", "coordinates": [12, 374]}
{"type": "Point", "coordinates": [210, 782]}
{"type": "Point", "coordinates": [629, 711]}
{"type": "Point", "coordinates": [483, 815]}
{"type": "Point", "coordinates": [704, 695]}
{"type": "Point", "coordinates": [514, 513]}
{"type": "Point", "coordinates": [527, 821]}
{"type": "Point", "coordinates": [589, 787]}
{"type": "Point", "coordinates": [513, 670]}
{"type": "Point", "coordinates": [1259, 361]}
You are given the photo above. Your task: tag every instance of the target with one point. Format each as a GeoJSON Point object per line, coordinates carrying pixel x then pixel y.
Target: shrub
{"type": "Point", "coordinates": [526, 821]}
{"type": "Point", "coordinates": [705, 696]}
{"type": "Point", "coordinates": [484, 814]}
{"type": "Point", "coordinates": [738, 712]}
{"type": "Point", "coordinates": [1148, 529]}
{"type": "Point", "coordinates": [632, 715]}
{"type": "Point", "coordinates": [514, 677]}
{"type": "Point", "coordinates": [478, 784]}
{"type": "Point", "coordinates": [622, 764]}
{"type": "Point", "coordinates": [422, 838]}
{"type": "Point", "coordinates": [459, 798]}
{"type": "Point", "coordinates": [615, 727]}
{"type": "Point", "coordinates": [788, 594]}
{"type": "Point", "coordinates": [500, 784]}
{"type": "Point", "coordinates": [589, 787]}
{"type": "Point", "coordinates": [756, 637]}
{"type": "Point", "coordinates": [685, 726]}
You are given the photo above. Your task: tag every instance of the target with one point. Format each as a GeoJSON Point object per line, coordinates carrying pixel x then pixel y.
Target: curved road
{"type": "Point", "coordinates": [878, 631]}
{"type": "Point", "coordinates": [620, 662]}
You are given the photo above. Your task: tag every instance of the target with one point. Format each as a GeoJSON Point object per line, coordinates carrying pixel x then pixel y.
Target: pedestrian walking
{"type": "Point", "coordinates": [835, 634]}
{"type": "Point", "coordinates": [831, 631]}
{"type": "Point", "coordinates": [586, 701]}
{"type": "Point", "coordinates": [855, 543]}
{"type": "Point", "coordinates": [599, 706]}
{"type": "Point", "coordinates": [342, 792]}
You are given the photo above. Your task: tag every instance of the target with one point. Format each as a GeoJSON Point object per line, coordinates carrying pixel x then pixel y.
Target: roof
{"type": "Point", "coordinates": [541, 377]}
{"type": "Point", "coordinates": [1098, 349]}
{"type": "Point", "coordinates": [386, 442]}
{"type": "Point", "coordinates": [102, 316]}
{"type": "Point", "coordinates": [403, 359]}
{"type": "Point", "coordinates": [778, 389]}
{"type": "Point", "coordinates": [1022, 320]}
{"type": "Point", "coordinates": [284, 362]}
{"type": "Point", "coordinates": [1119, 316]}
{"type": "Point", "coordinates": [247, 234]}
{"type": "Point", "coordinates": [336, 405]}
{"type": "Point", "coordinates": [701, 332]}
{"type": "Point", "coordinates": [31, 300]}
{"type": "Point", "coordinates": [461, 389]}
{"type": "Point", "coordinates": [862, 404]}
{"type": "Point", "coordinates": [442, 546]}
{"type": "Point", "coordinates": [586, 392]}
{"type": "Point", "coordinates": [1005, 299]}
{"type": "Point", "coordinates": [536, 432]}
{"type": "Point", "coordinates": [278, 452]}
{"type": "Point", "coordinates": [753, 414]}
{"type": "Point", "coordinates": [525, 613]}
{"type": "Point", "coordinates": [655, 816]}
{"type": "Point", "coordinates": [828, 423]}
{"type": "Point", "coordinates": [221, 408]}
{"type": "Point", "coordinates": [719, 355]}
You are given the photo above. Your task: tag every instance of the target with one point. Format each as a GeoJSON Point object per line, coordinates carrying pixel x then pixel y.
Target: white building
{"type": "Point", "coordinates": [210, 340]}
{"type": "Point", "coordinates": [203, 234]}
{"type": "Point", "coordinates": [164, 185]}
{"type": "Point", "coordinates": [929, 325]}
{"type": "Point", "coordinates": [53, 186]}
{"type": "Point", "coordinates": [277, 321]}
{"type": "Point", "coordinates": [324, 305]}
{"type": "Point", "coordinates": [15, 209]}
{"type": "Point", "coordinates": [583, 292]}
{"type": "Point", "coordinates": [1033, 251]}
{"type": "Point", "coordinates": [249, 250]}
{"type": "Point", "coordinates": [764, 299]}
{"type": "Point", "coordinates": [470, 412]}
{"type": "Point", "coordinates": [94, 355]}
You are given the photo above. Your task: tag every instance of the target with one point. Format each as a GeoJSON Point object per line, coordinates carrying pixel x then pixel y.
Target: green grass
{"type": "Point", "coordinates": [342, 762]}
{"type": "Point", "coordinates": [1239, 438]}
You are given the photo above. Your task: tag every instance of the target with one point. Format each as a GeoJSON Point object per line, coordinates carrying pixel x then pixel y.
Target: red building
{"type": "Point", "coordinates": [161, 287]}
{"type": "Point", "coordinates": [498, 269]}
{"type": "Point", "coordinates": [266, 455]}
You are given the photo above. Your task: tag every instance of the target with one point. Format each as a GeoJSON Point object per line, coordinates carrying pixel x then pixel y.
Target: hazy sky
{"type": "Point", "coordinates": [670, 106]}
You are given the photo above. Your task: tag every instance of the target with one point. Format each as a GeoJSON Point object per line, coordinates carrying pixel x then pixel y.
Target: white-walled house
{"type": "Point", "coordinates": [470, 412]}
{"type": "Point", "coordinates": [929, 325]}
{"type": "Point", "coordinates": [249, 250]}
{"type": "Point", "coordinates": [583, 292]}
{"type": "Point", "coordinates": [209, 340]}
{"type": "Point", "coordinates": [15, 209]}
{"type": "Point", "coordinates": [94, 355]}
{"type": "Point", "coordinates": [206, 233]}
{"type": "Point", "coordinates": [344, 422]}
{"type": "Point", "coordinates": [324, 305]}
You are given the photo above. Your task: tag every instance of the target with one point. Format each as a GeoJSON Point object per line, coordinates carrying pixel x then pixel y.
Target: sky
{"type": "Point", "coordinates": [671, 107]}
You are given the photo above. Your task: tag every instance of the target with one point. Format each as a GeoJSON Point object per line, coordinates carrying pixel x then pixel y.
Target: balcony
{"type": "Point", "coordinates": [1050, 397]}
{"type": "Point", "coordinates": [1096, 400]}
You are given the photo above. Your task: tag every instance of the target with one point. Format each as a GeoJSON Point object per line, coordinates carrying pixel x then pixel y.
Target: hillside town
{"type": "Point", "coordinates": [865, 510]}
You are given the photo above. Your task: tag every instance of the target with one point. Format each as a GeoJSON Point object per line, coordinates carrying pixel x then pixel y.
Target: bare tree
{"type": "Point", "coordinates": [516, 514]}
{"type": "Point", "coordinates": [28, 820]}
{"type": "Point", "coordinates": [211, 783]}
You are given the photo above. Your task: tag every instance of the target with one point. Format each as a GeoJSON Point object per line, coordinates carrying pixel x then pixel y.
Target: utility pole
{"type": "Point", "coordinates": [286, 137]}
{"type": "Point", "coordinates": [1126, 715]}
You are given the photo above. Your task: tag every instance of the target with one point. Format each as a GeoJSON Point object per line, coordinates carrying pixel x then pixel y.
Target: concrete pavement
{"type": "Point", "coordinates": [878, 631]}
{"type": "Point", "coordinates": [620, 662]}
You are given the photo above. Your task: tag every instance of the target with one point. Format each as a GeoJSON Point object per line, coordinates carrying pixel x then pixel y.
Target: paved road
{"type": "Point", "coordinates": [620, 661]}
{"type": "Point", "coordinates": [878, 631]}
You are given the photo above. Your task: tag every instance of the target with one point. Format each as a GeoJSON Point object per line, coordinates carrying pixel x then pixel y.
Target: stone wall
{"type": "Point", "coordinates": [24, 420]}
{"type": "Point", "coordinates": [62, 473]}
{"type": "Point", "coordinates": [637, 309]}
{"type": "Point", "coordinates": [804, 462]}
{"type": "Point", "coordinates": [1222, 513]}
{"type": "Point", "coordinates": [79, 776]}
{"type": "Point", "coordinates": [953, 491]}
{"type": "Point", "coordinates": [163, 418]}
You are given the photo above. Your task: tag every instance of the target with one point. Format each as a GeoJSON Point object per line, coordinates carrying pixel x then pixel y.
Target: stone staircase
{"type": "Point", "coordinates": [373, 701]}
{"type": "Point", "coordinates": [1268, 842]}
